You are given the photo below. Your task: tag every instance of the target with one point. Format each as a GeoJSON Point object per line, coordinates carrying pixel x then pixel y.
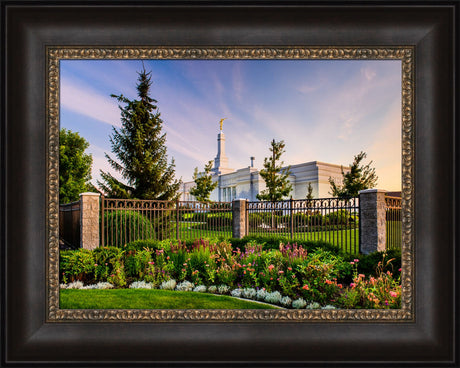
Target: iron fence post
{"type": "Point", "coordinates": [292, 218]}
{"type": "Point", "coordinates": [102, 221]}
{"type": "Point", "coordinates": [177, 219]}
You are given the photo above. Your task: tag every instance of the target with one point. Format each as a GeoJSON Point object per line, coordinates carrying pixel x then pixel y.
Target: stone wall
{"type": "Point", "coordinates": [89, 220]}
{"type": "Point", "coordinates": [372, 220]}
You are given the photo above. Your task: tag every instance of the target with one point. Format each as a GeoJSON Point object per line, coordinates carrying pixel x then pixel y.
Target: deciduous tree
{"type": "Point", "coordinates": [74, 166]}
{"type": "Point", "coordinates": [274, 175]}
{"type": "Point", "coordinates": [203, 183]}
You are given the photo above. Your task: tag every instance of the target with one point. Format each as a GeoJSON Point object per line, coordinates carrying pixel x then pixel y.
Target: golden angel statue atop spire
{"type": "Point", "coordinates": [221, 122]}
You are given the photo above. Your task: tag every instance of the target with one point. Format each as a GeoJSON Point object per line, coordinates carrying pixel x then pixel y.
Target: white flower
{"type": "Point", "coordinates": [223, 289]}
{"type": "Point", "coordinates": [141, 285]}
{"type": "Point", "coordinates": [75, 285]}
{"type": "Point", "coordinates": [236, 293]}
{"type": "Point", "coordinates": [185, 286]}
{"type": "Point", "coordinates": [200, 289]}
{"type": "Point", "coordinates": [212, 289]}
{"type": "Point", "coordinates": [63, 286]}
{"type": "Point", "coordinates": [329, 307]}
{"type": "Point", "coordinates": [285, 301]}
{"type": "Point", "coordinates": [249, 293]}
{"type": "Point", "coordinates": [273, 298]}
{"type": "Point", "coordinates": [261, 294]}
{"type": "Point", "coordinates": [168, 285]}
{"type": "Point", "coordinates": [299, 303]}
{"type": "Point", "coordinates": [313, 305]}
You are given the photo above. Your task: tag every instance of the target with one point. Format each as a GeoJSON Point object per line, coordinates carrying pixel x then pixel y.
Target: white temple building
{"type": "Point", "coordinates": [246, 183]}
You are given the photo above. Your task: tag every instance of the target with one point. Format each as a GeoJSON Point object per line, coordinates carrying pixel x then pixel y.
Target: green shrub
{"type": "Point", "coordinates": [77, 265]}
{"type": "Point", "coordinates": [339, 217]}
{"type": "Point", "coordinates": [103, 258]}
{"type": "Point", "coordinates": [143, 244]}
{"type": "Point", "coordinates": [122, 227]}
{"type": "Point", "coordinates": [367, 264]}
{"type": "Point", "coordinates": [218, 220]}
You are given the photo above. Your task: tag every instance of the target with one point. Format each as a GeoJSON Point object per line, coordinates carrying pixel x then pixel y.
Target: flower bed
{"type": "Point", "coordinates": [290, 276]}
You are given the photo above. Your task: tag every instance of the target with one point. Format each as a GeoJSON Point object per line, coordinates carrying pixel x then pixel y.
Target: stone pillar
{"type": "Point", "coordinates": [89, 220]}
{"type": "Point", "coordinates": [372, 220]}
{"type": "Point", "coordinates": [239, 218]}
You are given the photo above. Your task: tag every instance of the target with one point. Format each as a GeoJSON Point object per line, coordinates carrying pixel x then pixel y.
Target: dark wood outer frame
{"type": "Point", "coordinates": [29, 339]}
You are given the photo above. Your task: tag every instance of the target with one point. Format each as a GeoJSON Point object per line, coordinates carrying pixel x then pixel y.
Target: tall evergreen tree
{"type": "Point", "coordinates": [275, 177]}
{"type": "Point", "coordinates": [74, 166]}
{"type": "Point", "coordinates": [140, 148]}
{"type": "Point", "coordinates": [203, 183]}
{"type": "Point", "coordinates": [359, 177]}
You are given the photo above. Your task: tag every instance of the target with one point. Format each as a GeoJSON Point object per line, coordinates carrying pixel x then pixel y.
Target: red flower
{"type": "Point", "coordinates": [305, 287]}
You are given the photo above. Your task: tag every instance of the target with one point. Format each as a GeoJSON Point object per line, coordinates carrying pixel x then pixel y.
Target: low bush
{"type": "Point", "coordinates": [308, 271]}
{"type": "Point", "coordinates": [122, 227]}
{"type": "Point", "coordinates": [219, 220]}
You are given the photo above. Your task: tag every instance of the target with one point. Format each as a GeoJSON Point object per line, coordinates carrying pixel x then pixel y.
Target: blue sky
{"type": "Point", "coordinates": [324, 110]}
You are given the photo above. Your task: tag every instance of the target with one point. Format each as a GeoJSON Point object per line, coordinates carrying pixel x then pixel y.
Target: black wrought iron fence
{"type": "Point", "coordinates": [126, 220]}
{"type": "Point", "coordinates": [331, 220]}
{"type": "Point", "coordinates": [69, 224]}
{"type": "Point", "coordinates": [393, 222]}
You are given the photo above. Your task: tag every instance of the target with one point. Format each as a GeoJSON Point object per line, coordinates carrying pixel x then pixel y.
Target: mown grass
{"type": "Point", "coordinates": [347, 240]}
{"type": "Point", "coordinates": [150, 299]}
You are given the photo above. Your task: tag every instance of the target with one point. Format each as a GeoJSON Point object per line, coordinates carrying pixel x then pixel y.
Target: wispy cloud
{"type": "Point", "coordinates": [88, 102]}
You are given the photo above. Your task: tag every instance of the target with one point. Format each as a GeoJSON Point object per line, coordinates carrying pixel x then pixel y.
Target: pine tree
{"type": "Point", "coordinates": [204, 185]}
{"type": "Point", "coordinates": [359, 177]}
{"type": "Point", "coordinates": [275, 177]}
{"type": "Point", "coordinates": [140, 148]}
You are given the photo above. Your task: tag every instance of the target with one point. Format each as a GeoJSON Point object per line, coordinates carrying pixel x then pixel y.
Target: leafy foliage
{"type": "Point", "coordinates": [275, 177]}
{"type": "Point", "coordinates": [309, 192]}
{"type": "Point", "coordinates": [74, 166]}
{"type": "Point", "coordinates": [140, 148]}
{"type": "Point", "coordinates": [203, 184]}
{"type": "Point", "coordinates": [359, 177]}
{"type": "Point", "coordinates": [122, 227]}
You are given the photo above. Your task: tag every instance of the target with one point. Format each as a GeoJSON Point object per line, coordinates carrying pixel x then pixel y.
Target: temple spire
{"type": "Point", "coordinates": [221, 160]}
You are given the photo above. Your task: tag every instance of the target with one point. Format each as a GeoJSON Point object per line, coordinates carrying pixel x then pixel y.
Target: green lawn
{"type": "Point", "coordinates": [347, 240]}
{"type": "Point", "coordinates": [150, 299]}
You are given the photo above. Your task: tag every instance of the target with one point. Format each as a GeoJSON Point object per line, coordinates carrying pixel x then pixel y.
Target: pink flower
{"type": "Point", "coordinates": [95, 265]}
{"type": "Point", "coordinates": [393, 294]}
{"type": "Point", "coordinates": [356, 260]}
{"type": "Point", "coordinates": [271, 267]}
{"type": "Point", "coordinates": [280, 272]}
{"type": "Point", "coordinates": [353, 285]}
{"type": "Point", "coordinates": [151, 263]}
{"type": "Point", "coordinates": [352, 263]}
{"type": "Point", "coordinates": [361, 275]}
{"type": "Point", "coordinates": [399, 270]}
{"type": "Point", "coordinates": [290, 268]}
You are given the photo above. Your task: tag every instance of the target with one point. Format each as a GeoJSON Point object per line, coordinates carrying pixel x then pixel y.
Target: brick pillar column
{"type": "Point", "coordinates": [89, 220]}
{"type": "Point", "coordinates": [372, 220]}
{"type": "Point", "coordinates": [239, 218]}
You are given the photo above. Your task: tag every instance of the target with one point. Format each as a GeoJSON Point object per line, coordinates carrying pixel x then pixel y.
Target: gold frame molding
{"type": "Point", "coordinates": [404, 53]}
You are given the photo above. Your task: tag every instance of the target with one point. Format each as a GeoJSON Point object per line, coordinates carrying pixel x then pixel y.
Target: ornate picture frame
{"type": "Point", "coordinates": [403, 54]}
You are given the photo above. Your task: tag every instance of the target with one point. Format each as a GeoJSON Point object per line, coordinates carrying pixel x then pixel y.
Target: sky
{"type": "Point", "coordinates": [324, 110]}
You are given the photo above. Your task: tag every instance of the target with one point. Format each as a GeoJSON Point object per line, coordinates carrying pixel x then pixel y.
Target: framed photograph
{"type": "Point", "coordinates": [387, 72]}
